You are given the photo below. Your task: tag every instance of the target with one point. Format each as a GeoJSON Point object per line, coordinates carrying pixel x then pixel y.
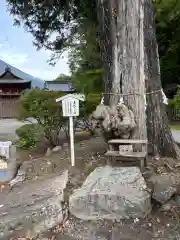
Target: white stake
{"type": "Point", "coordinates": [70, 108]}
{"type": "Point", "coordinates": [71, 132]}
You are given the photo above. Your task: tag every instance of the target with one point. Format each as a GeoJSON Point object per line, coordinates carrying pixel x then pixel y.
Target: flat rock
{"type": "Point", "coordinates": [111, 193]}
{"type": "Point", "coordinates": [48, 152]}
{"type": "Point", "coordinates": [164, 186]}
{"type": "Point", "coordinates": [57, 149]}
{"type": "Point", "coordinates": [177, 200]}
{"type": "Point", "coordinates": [168, 206]}
{"type": "Point", "coordinates": [20, 176]}
{"type": "Point", "coordinates": [35, 206]}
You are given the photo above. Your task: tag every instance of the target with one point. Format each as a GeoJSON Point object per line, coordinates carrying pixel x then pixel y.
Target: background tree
{"type": "Point", "coordinates": [64, 19]}
{"type": "Point", "coordinates": [85, 60]}
{"type": "Point", "coordinates": [71, 20]}
{"type": "Point", "coordinates": [159, 136]}
{"type": "Point", "coordinates": [168, 37]}
{"type": "Point", "coordinates": [63, 78]}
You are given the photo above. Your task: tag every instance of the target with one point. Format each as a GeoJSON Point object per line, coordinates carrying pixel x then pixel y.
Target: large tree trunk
{"type": "Point", "coordinates": [130, 49]}
{"type": "Point", "coordinates": [159, 135]}
{"type": "Point", "coordinates": [125, 47]}
{"type": "Point", "coordinates": [124, 21]}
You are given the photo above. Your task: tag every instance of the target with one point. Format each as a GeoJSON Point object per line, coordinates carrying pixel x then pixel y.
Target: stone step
{"type": "Point", "coordinates": [130, 155]}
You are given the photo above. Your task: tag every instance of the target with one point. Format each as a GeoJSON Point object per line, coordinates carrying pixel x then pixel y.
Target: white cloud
{"type": "Point", "coordinates": [34, 64]}
{"type": "Point", "coordinates": [12, 56]}
{"type": "Point", "coordinates": [47, 52]}
{"type": "Point", "coordinates": [41, 73]}
{"type": "Point", "coordinates": [14, 59]}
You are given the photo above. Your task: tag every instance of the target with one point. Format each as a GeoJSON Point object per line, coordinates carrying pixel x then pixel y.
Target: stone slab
{"type": "Point", "coordinates": [112, 193]}
{"type": "Point", "coordinates": [34, 206]}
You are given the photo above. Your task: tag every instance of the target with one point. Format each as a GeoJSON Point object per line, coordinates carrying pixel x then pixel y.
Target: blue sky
{"type": "Point", "coordinates": [16, 48]}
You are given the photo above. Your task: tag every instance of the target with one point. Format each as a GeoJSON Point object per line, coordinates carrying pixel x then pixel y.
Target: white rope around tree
{"type": "Point", "coordinates": [165, 99]}
{"type": "Point", "coordinates": [102, 101]}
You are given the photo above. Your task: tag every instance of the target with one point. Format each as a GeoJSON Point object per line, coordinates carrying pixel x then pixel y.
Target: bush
{"type": "Point", "coordinates": [86, 108]}
{"type": "Point", "coordinates": [90, 104]}
{"type": "Point", "coordinates": [29, 135]}
{"type": "Point", "coordinates": [42, 106]}
{"type": "Point", "coordinates": [88, 80]}
{"type": "Point", "coordinates": [172, 102]}
{"type": "Point", "coordinates": [177, 98]}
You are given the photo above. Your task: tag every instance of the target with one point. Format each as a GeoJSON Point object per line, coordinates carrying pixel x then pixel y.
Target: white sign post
{"type": "Point", "coordinates": [70, 107]}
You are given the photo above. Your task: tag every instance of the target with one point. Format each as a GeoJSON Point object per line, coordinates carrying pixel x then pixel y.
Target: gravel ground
{"type": "Point", "coordinates": [158, 226]}
{"type": "Point", "coordinates": [8, 127]}
{"type": "Point", "coordinates": [90, 154]}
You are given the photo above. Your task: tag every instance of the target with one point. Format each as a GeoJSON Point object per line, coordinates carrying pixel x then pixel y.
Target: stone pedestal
{"type": "Point", "coordinates": [8, 167]}
{"type": "Point", "coordinates": [112, 193]}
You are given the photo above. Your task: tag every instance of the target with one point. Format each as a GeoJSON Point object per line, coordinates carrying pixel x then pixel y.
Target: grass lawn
{"type": "Point", "coordinates": [177, 127]}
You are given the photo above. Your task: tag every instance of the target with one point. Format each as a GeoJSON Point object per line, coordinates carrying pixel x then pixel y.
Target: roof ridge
{"type": "Point", "coordinates": [36, 82]}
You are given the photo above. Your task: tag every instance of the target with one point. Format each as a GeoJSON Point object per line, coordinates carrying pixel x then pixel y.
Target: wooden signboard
{"type": "Point", "coordinates": [70, 107]}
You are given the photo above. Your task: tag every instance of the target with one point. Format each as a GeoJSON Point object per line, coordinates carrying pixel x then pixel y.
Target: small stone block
{"type": "Point", "coordinates": [3, 164]}
{"type": "Point", "coordinates": [8, 167]}
{"type": "Point", "coordinates": [125, 148]}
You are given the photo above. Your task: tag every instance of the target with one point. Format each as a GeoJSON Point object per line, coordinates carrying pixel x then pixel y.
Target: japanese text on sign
{"type": "Point", "coordinates": [70, 107]}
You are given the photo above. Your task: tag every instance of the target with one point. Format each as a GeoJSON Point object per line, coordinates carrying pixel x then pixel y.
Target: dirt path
{"type": "Point", "coordinates": [158, 226]}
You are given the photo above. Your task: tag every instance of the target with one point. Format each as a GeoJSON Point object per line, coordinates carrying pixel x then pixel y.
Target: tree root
{"type": "Point", "coordinates": [116, 121]}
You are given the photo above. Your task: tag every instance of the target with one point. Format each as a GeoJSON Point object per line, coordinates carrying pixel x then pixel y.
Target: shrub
{"type": "Point", "coordinates": [172, 102]}
{"type": "Point", "coordinates": [29, 135]}
{"type": "Point", "coordinates": [172, 105]}
{"type": "Point", "coordinates": [177, 98]}
{"type": "Point", "coordinates": [86, 108]}
{"type": "Point", "coordinates": [41, 105]}
{"type": "Point", "coordinates": [90, 104]}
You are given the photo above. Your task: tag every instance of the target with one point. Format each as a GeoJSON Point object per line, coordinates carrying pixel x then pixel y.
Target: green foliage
{"type": "Point", "coordinates": [61, 17]}
{"type": "Point", "coordinates": [90, 104]}
{"type": "Point", "coordinates": [168, 36]}
{"type": "Point", "coordinates": [42, 106]}
{"type": "Point", "coordinates": [92, 100]}
{"type": "Point", "coordinates": [85, 53]}
{"type": "Point", "coordinates": [86, 108]}
{"type": "Point", "coordinates": [88, 81]}
{"type": "Point", "coordinates": [76, 26]}
{"type": "Point", "coordinates": [177, 98]}
{"type": "Point", "coordinates": [85, 60]}
{"type": "Point", "coordinates": [176, 127]}
{"type": "Point", "coordinates": [63, 78]}
{"type": "Point", "coordinates": [29, 135]}
{"type": "Point", "coordinates": [171, 102]}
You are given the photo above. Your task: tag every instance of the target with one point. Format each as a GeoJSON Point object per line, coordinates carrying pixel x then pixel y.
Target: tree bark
{"type": "Point", "coordinates": [161, 142]}
{"type": "Point", "coordinates": [130, 47]}
{"type": "Point", "coordinates": [124, 21]}
{"type": "Point", "coordinates": [131, 64]}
